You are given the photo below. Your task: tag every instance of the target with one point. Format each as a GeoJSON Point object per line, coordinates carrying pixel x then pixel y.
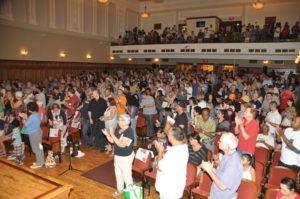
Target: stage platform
{"type": "Point", "coordinates": [21, 182]}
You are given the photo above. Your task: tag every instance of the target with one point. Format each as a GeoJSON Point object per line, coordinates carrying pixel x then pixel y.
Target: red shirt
{"type": "Point", "coordinates": [279, 195]}
{"type": "Point", "coordinates": [252, 129]}
{"type": "Point", "coordinates": [73, 102]}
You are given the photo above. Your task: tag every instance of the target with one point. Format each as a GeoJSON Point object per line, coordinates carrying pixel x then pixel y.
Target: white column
{"type": "Point", "coordinates": [5, 10]}
{"type": "Point", "coordinates": [75, 15]}
{"type": "Point", "coordinates": [52, 18]}
{"type": "Point", "coordinates": [32, 12]}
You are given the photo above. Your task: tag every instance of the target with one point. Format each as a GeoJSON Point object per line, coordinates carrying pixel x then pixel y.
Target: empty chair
{"type": "Point", "coordinates": [139, 167]}
{"type": "Point", "coordinates": [275, 158]}
{"type": "Point", "coordinates": [259, 173]}
{"type": "Point", "coordinates": [248, 190]}
{"type": "Point", "coordinates": [203, 189]}
{"type": "Point", "coordinates": [191, 172]}
{"type": "Point", "coordinates": [150, 177]}
{"type": "Point", "coordinates": [271, 193]}
{"type": "Point", "coordinates": [277, 174]}
{"type": "Point", "coordinates": [262, 155]}
{"type": "Point", "coordinates": [51, 143]}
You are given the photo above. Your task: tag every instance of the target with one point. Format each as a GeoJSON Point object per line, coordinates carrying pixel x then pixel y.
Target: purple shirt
{"type": "Point", "coordinates": [230, 173]}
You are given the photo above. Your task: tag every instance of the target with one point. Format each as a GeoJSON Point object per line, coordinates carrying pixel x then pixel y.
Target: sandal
{"type": "Point", "coordinates": [117, 193]}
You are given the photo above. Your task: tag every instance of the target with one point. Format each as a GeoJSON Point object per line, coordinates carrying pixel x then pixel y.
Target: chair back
{"type": "Point", "coordinates": [259, 173]}
{"type": "Point", "coordinates": [277, 174]}
{"type": "Point", "coordinates": [45, 131]}
{"type": "Point", "coordinates": [247, 190]}
{"type": "Point", "coordinates": [209, 155]}
{"type": "Point", "coordinates": [141, 165]}
{"type": "Point", "coordinates": [205, 182]}
{"type": "Point", "coordinates": [141, 120]}
{"type": "Point", "coordinates": [155, 117]}
{"type": "Point", "coordinates": [191, 172]}
{"type": "Point", "coordinates": [275, 158]}
{"type": "Point", "coordinates": [262, 155]}
{"type": "Point", "coordinates": [271, 193]}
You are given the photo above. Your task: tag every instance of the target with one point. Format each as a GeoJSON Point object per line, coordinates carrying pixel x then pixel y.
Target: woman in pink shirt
{"type": "Point", "coordinates": [287, 189]}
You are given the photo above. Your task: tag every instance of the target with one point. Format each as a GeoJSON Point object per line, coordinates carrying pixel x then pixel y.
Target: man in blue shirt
{"type": "Point", "coordinates": [228, 176]}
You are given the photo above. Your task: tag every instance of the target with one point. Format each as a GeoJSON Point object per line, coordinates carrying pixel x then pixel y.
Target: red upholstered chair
{"type": "Point", "coordinates": [191, 172]}
{"type": "Point", "coordinates": [155, 118]}
{"type": "Point", "coordinates": [51, 143]}
{"type": "Point", "coordinates": [275, 158]}
{"type": "Point", "coordinates": [204, 186]}
{"type": "Point", "coordinates": [277, 174]}
{"type": "Point", "coordinates": [209, 155]}
{"type": "Point", "coordinates": [150, 177]}
{"type": "Point", "coordinates": [141, 128]}
{"type": "Point", "coordinates": [259, 173]}
{"type": "Point", "coordinates": [262, 155]}
{"type": "Point", "coordinates": [248, 190]}
{"type": "Point", "coordinates": [271, 193]}
{"type": "Point", "coordinates": [139, 167]}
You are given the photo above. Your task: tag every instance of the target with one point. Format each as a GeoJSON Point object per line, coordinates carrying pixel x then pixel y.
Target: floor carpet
{"type": "Point", "coordinates": [104, 174]}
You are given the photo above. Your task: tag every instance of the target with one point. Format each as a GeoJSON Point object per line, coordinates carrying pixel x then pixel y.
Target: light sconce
{"type": "Point", "coordinates": [129, 59]}
{"type": "Point", "coordinates": [156, 60]}
{"type": "Point", "coordinates": [112, 58]}
{"type": "Point", "coordinates": [88, 56]}
{"type": "Point", "coordinates": [266, 62]}
{"type": "Point", "coordinates": [103, 1]}
{"type": "Point", "coordinates": [24, 52]}
{"type": "Point", "coordinates": [62, 54]}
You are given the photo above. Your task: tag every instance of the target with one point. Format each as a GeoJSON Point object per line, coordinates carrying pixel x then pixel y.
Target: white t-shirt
{"type": "Point", "coordinates": [269, 139]}
{"type": "Point", "coordinates": [288, 156]}
{"type": "Point", "coordinates": [273, 117]}
{"type": "Point", "coordinates": [171, 173]}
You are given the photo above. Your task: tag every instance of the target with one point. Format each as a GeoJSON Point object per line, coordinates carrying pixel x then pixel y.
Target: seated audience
{"type": "Point", "coordinates": [264, 139]}
{"type": "Point", "coordinates": [287, 189]}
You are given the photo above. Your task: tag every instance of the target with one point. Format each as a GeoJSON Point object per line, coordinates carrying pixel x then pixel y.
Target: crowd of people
{"type": "Point", "coordinates": [237, 33]}
{"type": "Point", "coordinates": [197, 113]}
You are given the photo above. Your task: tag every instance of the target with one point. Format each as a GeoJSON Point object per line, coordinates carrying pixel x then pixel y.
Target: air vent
{"type": "Point", "coordinates": [165, 60]}
{"type": "Point", "coordinates": [277, 50]}
{"type": "Point", "coordinates": [203, 50]}
{"type": "Point", "coordinates": [238, 50]}
{"type": "Point", "coordinates": [292, 50]}
{"type": "Point", "coordinates": [278, 61]}
{"type": "Point", "coordinates": [263, 50]}
{"type": "Point", "coordinates": [147, 60]}
{"type": "Point", "coordinates": [251, 50]}
{"type": "Point", "coordinates": [226, 50]}
{"type": "Point", "coordinates": [253, 61]}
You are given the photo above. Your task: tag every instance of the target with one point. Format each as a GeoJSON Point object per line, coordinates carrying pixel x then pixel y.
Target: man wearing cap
{"type": "Point", "coordinates": [181, 119]}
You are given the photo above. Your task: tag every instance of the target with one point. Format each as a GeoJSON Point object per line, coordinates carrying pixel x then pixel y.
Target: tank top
{"type": "Point", "coordinates": [113, 121]}
{"type": "Point", "coordinates": [247, 174]}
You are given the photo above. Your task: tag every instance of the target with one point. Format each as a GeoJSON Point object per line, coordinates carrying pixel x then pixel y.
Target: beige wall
{"type": "Point", "coordinates": [45, 46]}
{"type": "Point", "coordinates": [191, 24]}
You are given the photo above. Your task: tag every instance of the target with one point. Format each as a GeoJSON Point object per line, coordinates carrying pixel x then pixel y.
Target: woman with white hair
{"type": "Point", "coordinates": [228, 176]}
{"type": "Point", "coordinates": [124, 155]}
{"type": "Point", "coordinates": [17, 103]}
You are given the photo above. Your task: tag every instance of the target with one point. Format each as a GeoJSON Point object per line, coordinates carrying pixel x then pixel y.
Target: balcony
{"type": "Point", "coordinates": [285, 51]}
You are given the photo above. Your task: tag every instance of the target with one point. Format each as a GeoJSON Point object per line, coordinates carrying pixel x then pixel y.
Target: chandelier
{"type": "Point", "coordinates": [103, 1]}
{"type": "Point", "coordinates": [258, 5]}
{"type": "Point", "coordinates": [145, 14]}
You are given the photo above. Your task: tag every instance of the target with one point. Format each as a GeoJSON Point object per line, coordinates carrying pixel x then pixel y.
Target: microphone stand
{"type": "Point", "coordinates": [70, 168]}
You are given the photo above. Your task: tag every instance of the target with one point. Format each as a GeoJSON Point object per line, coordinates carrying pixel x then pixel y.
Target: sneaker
{"type": "Point", "coordinates": [19, 162]}
{"type": "Point", "coordinates": [11, 157]}
{"type": "Point", "coordinates": [117, 193]}
{"type": "Point", "coordinates": [80, 154]}
{"type": "Point", "coordinates": [35, 166]}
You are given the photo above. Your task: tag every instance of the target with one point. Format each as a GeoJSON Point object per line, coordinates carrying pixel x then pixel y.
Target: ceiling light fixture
{"type": "Point", "coordinates": [258, 5]}
{"type": "Point", "coordinates": [103, 1]}
{"type": "Point", "coordinates": [145, 14]}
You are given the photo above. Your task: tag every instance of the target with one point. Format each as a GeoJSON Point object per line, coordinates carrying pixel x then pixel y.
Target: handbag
{"type": "Point", "coordinates": [133, 191]}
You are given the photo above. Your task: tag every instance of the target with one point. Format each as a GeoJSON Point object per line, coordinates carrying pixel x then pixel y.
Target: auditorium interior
{"type": "Point", "coordinates": [143, 46]}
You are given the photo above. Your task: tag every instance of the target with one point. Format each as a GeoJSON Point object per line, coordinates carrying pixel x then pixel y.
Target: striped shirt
{"type": "Point", "coordinates": [16, 136]}
{"type": "Point", "coordinates": [196, 157]}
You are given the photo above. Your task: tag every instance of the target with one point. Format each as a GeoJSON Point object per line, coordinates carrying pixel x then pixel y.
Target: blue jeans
{"type": "Point", "coordinates": [85, 128]}
{"type": "Point", "coordinates": [149, 123]}
{"type": "Point", "coordinates": [133, 126]}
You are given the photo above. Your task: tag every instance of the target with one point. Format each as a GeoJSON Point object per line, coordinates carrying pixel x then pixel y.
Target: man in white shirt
{"type": "Point", "coordinates": [290, 150]}
{"type": "Point", "coordinates": [171, 173]}
{"type": "Point", "coordinates": [273, 118]}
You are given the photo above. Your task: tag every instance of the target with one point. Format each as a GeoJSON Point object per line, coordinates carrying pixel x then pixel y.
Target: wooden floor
{"type": "Point", "coordinates": [83, 187]}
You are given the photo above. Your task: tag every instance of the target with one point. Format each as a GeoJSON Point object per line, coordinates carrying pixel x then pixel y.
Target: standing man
{"type": "Point", "coordinates": [149, 110]}
{"type": "Point", "coordinates": [171, 172]}
{"type": "Point", "coordinates": [181, 119]}
{"type": "Point", "coordinates": [228, 176]}
{"type": "Point", "coordinates": [247, 130]}
{"type": "Point", "coordinates": [273, 119]}
{"type": "Point", "coordinates": [96, 109]}
{"type": "Point", "coordinates": [290, 150]}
